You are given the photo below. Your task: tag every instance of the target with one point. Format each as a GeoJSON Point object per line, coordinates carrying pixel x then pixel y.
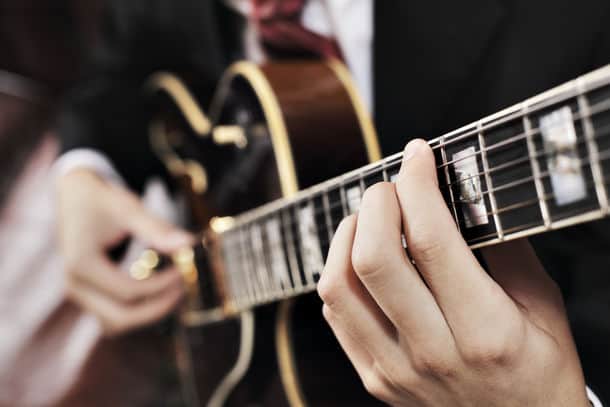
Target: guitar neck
{"type": "Point", "coordinates": [540, 165]}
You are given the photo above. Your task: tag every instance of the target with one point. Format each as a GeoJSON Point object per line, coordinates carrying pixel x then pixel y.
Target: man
{"type": "Point", "coordinates": [436, 65]}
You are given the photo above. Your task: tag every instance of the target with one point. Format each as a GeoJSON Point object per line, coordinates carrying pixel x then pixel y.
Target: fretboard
{"type": "Point", "coordinates": [540, 165]}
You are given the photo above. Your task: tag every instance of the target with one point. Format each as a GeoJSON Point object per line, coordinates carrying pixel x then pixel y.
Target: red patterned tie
{"type": "Point", "coordinates": [283, 35]}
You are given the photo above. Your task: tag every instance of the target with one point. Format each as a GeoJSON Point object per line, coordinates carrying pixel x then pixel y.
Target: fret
{"type": "Point", "coordinates": [362, 185]}
{"type": "Point", "coordinates": [298, 244]}
{"type": "Point", "coordinates": [448, 180]}
{"type": "Point", "coordinates": [291, 248]}
{"type": "Point", "coordinates": [384, 172]}
{"type": "Point", "coordinates": [343, 199]}
{"type": "Point", "coordinates": [276, 288]}
{"type": "Point", "coordinates": [592, 149]}
{"type": "Point", "coordinates": [257, 282]}
{"type": "Point", "coordinates": [567, 174]}
{"type": "Point", "coordinates": [240, 270]}
{"type": "Point", "coordinates": [327, 215]}
{"type": "Point", "coordinates": [598, 98]}
{"type": "Point", "coordinates": [253, 271]}
{"type": "Point", "coordinates": [259, 261]}
{"type": "Point", "coordinates": [251, 297]}
{"type": "Point", "coordinates": [492, 199]}
{"type": "Point", "coordinates": [353, 194]}
{"type": "Point", "coordinates": [517, 196]}
{"type": "Point", "coordinates": [336, 206]}
{"type": "Point", "coordinates": [232, 256]}
{"type": "Point", "coordinates": [599, 108]}
{"type": "Point", "coordinates": [311, 254]}
{"type": "Point", "coordinates": [513, 186]}
{"type": "Point", "coordinates": [230, 268]}
{"type": "Point", "coordinates": [465, 163]}
{"type": "Point", "coordinates": [392, 169]}
{"type": "Point", "coordinates": [374, 176]}
{"type": "Point", "coordinates": [470, 189]}
{"type": "Point", "coordinates": [501, 178]}
{"type": "Point", "coordinates": [531, 148]}
{"type": "Point", "coordinates": [244, 289]}
{"type": "Point", "coordinates": [277, 257]}
{"type": "Point", "coordinates": [321, 222]}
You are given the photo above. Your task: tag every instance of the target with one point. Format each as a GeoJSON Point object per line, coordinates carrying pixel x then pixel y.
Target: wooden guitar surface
{"type": "Point", "coordinates": [303, 123]}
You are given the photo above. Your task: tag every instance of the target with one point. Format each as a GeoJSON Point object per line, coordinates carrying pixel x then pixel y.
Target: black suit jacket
{"type": "Point", "coordinates": [437, 66]}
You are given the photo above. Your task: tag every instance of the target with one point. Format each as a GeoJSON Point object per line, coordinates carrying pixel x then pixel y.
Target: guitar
{"type": "Point", "coordinates": [285, 153]}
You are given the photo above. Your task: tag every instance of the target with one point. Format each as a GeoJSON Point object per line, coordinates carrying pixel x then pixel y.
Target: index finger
{"type": "Point", "coordinates": [459, 284]}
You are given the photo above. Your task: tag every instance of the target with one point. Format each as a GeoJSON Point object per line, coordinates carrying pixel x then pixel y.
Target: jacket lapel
{"type": "Point", "coordinates": [425, 51]}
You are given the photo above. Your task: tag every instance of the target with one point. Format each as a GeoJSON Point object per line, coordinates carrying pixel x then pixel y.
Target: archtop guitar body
{"type": "Point", "coordinates": [271, 130]}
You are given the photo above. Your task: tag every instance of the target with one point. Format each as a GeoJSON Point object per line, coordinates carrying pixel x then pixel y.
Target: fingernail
{"type": "Point", "coordinates": [412, 148]}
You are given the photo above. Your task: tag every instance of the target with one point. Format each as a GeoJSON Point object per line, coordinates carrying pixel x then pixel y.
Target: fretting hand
{"type": "Point", "coordinates": [444, 332]}
{"type": "Point", "coordinates": [94, 216]}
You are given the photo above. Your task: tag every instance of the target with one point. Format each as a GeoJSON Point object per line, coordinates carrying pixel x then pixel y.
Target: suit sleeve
{"type": "Point", "coordinates": [107, 110]}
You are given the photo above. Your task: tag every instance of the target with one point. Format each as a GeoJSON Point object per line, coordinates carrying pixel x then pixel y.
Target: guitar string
{"type": "Point", "coordinates": [279, 292]}
{"type": "Point", "coordinates": [547, 197]}
{"type": "Point", "coordinates": [527, 159]}
{"type": "Point", "coordinates": [583, 161]}
{"type": "Point", "coordinates": [578, 115]}
{"type": "Point", "coordinates": [264, 296]}
{"type": "Point", "coordinates": [248, 293]}
{"type": "Point", "coordinates": [323, 241]}
{"type": "Point", "coordinates": [603, 156]}
{"type": "Point", "coordinates": [602, 132]}
{"type": "Point", "coordinates": [384, 166]}
{"type": "Point", "coordinates": [398, 160]}
{"type": "Point", "coordinates": [509, 208]}
{"type": "Point", "coordinates": [534, 132]}
{"type": "Point", "coordinates": [480, 152]}
{"type": "Point", "coordinates": [504, 166]}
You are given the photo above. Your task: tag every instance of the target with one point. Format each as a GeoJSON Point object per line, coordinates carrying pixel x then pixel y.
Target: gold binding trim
{"type": "Point", "coordinates": [160, 143]}
{"type": "Point", "coordinates": [183, 98]}
{"type": "Point", "coordinates": [289, 185]}
{"type": "Point", "coordinates": [364, 118]}
{"type": "Point", "coordinates": [273, 116]}
{"type": "Point", "coordinates": [285, 355]}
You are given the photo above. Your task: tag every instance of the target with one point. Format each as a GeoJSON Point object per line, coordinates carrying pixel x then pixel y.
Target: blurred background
{"type": "Point", "coordinates": [44, 341]}
{"type": "Point", "coordinates": [43, 44]}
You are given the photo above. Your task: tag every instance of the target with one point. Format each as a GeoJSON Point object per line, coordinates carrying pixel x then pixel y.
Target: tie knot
{"type": "Point", "coordinates": [277, 10]}
{"type": "Point", "coordinates": [283, 35]}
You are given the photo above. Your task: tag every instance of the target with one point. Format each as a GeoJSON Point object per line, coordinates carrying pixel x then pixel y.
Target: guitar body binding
{"type": "Point", "coordinates": [303, 123]}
